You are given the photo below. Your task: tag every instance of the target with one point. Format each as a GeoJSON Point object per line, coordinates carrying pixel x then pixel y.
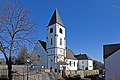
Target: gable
{"type": "Point", "coordinates": [110, 49]}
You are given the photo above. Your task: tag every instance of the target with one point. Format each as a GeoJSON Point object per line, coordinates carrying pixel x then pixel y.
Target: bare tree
{"type": "Point", "coordinates": [16, 29]}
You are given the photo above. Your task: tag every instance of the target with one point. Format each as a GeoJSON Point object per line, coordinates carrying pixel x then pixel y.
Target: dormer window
{"type": "Point", "coordinates": [60, 30]}
{"type": "Point", "coordinates": [51, 30]}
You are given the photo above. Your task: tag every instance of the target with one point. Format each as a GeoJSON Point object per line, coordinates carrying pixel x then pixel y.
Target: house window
{"type": "Point", "coordinates": [74, 63]}
{"type": "Point", "coordinates": [51, 41]}
{"type": "Point", "coordinates": [82, 62]}
{"type": "Point", "coordinates": [82, 66]}
{"type": "Point", "coordinates": [51, 30]}
{"type": "Point", "coordinates": [60, 41]}
{"type": "Point", "coordinates": [70, 63]}
{"type": "Point", "coordinates": [60, 30]}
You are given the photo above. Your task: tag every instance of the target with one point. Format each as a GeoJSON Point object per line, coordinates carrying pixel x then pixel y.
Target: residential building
{"type": "Point", "coordinates": [84, 62]}
{"type": "Point", "coordinates": [112, 61]}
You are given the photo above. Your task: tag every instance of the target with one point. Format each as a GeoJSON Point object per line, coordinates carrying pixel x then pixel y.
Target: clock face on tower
{"type": "Point", "coordinates": [60, 58]}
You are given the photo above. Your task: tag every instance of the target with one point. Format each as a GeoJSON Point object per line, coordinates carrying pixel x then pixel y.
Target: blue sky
{"type": "Point", "coordinates": [89, 23]}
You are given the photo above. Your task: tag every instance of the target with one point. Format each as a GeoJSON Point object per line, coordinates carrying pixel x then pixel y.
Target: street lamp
{"type": "Point", "coordinates": [0, 46]}
{"type": "Point", "coordinates": [27, 68]}
{"type": "Point", "coordinates": [44, 66]}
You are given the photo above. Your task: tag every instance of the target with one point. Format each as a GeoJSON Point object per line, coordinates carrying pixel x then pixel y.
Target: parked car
{"type": "Point", "coordinates": [3, 77]}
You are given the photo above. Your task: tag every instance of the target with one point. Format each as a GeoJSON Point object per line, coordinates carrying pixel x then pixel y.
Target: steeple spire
{"type": "Point", "coordinates": [55, 19]}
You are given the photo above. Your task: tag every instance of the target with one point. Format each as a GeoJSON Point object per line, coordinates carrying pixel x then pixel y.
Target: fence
{"type": "Point", "coordinates": [3, 70]}
{"type": "Point", "coordinates": [20, 72]}
{"type": "Point", "coordinates": [82, 73]}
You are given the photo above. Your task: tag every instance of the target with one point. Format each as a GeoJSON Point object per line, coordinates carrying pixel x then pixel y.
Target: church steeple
{"type": "Point", "coordinates": [55, 19]}
{"type": "Point", "coordinates": [56, 41]}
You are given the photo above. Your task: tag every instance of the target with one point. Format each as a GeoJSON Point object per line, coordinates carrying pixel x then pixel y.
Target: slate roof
{"type": "Point", "coordinates": [70, 54]}
{"type": "Point", "coordinates": [110, 49]}
{"type": "Point", "coordinates": [83, 57]}
{"type": "Point", "coordinates": [55, 19]}
{"type": "Point", "coordinates": [43, 44]}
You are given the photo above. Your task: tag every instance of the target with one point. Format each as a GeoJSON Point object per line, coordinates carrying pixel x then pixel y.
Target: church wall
{"type": "Point", "coordinates": [50, 36]}
{"type": "Point", "coordinates": [51, 62]}
{"type": "Point", "coordinates": [56, 49]}
{"type": "Point", "coordinates": [62, 36]}
{"type": "Point", "coordinates": [39, 50]}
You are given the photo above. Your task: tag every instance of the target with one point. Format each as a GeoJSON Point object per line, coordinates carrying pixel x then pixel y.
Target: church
{"type": "Point", "coordinates": [53, 53]}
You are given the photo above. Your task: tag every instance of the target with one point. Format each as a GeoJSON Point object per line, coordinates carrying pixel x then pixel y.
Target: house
{"type": "Point", "coordinates": [112, 61]}
{"type": "Point", "coordinates": [84, 62]}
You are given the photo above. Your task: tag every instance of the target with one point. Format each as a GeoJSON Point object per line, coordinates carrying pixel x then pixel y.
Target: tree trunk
{"type": "Point", "coordinates": [10, 69]}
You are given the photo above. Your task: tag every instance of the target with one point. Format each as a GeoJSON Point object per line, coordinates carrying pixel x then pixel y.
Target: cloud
{"type": "Point", "coordinates": [115, 6]}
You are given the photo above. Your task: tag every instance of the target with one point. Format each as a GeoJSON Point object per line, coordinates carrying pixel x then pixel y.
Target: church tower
{"type": "Point", "coordinates": [56, 41]}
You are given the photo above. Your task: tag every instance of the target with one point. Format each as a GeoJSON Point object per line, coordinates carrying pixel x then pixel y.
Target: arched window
{"type": "Point", "coordinates": [51, 30]}
{"type": "Point", "coordinates": [60, 30]}
{"type": "Point", "coordinates": [51, 41]}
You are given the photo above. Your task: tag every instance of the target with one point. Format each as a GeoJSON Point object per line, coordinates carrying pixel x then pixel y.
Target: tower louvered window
{"type": "Point", "coordinates": [60, 30]}
{"type": "Point", "coordinates": [51, 41]}
{"type": "Point", "coordinates": [51, 30]}
{"type": "Point", "coordinates": [60, 41]}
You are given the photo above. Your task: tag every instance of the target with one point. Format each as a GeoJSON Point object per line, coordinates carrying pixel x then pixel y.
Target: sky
{"type": "Point", "coordinates": [89, 24]}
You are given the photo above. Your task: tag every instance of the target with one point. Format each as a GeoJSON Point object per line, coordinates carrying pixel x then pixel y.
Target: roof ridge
{"type": "Point", "coordinates": [83, 57]}
{"type": "Point", "coordinates": [110, 49]}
